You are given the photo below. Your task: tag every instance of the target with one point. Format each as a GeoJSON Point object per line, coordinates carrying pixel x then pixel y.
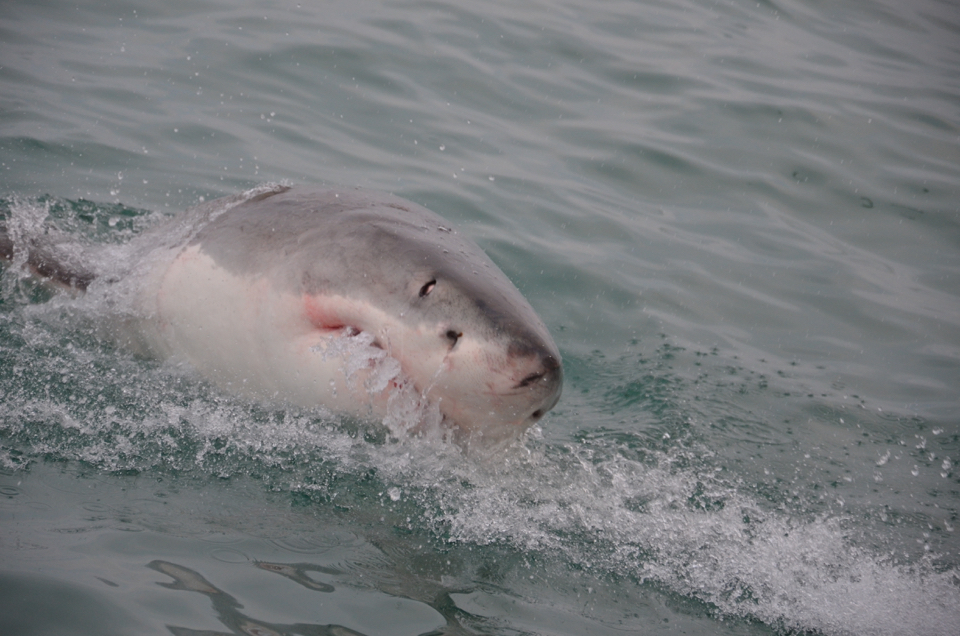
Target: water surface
{"type": "Point", "coordinates": [740, 220]}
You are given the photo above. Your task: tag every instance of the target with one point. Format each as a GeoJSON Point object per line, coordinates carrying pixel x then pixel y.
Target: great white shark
{"type": "Point", "coordinates": [344, 299]}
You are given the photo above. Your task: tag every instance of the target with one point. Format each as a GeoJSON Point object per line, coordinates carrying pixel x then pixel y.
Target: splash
{"type": "Point", "coordinates": [367, 365]}
{"type": "Point", "coordinates": [692, 532]}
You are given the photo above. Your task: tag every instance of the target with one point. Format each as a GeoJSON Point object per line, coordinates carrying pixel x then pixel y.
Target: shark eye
{"type": "Point", "coordinates": [453, 336]}
{"type": "Point", "coordinates": [426, 289]}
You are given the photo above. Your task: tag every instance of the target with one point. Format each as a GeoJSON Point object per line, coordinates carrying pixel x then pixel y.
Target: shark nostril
{"type": "Point", "coordinates": [536, 415]}
{"type": "Point", "coordinates": [453, 336]}
{"type": "Point", "coordinates": [530, 379]}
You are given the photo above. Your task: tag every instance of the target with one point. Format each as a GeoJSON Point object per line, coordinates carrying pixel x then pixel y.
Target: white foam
{"type": "Point", "coordinates": [703, 539]}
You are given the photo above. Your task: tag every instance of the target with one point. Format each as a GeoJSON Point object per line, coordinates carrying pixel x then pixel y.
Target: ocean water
{"type": "Point", "coordinates": [739, 219]}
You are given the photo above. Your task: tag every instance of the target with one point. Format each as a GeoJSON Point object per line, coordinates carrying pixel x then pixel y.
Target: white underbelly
{"type": "Point", "coordinates": [252, 339]}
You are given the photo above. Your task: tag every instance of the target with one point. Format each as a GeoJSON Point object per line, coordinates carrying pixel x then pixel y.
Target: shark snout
{"type": "Point", "coordinates": [542, 380]}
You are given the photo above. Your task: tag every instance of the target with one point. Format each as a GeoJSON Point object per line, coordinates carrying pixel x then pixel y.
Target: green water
{"type": "Point", "coordinates": [740, 220]}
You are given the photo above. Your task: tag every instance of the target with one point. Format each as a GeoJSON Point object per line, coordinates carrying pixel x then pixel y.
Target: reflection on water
{"type": "Point", "coordinates": [228, 608]}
